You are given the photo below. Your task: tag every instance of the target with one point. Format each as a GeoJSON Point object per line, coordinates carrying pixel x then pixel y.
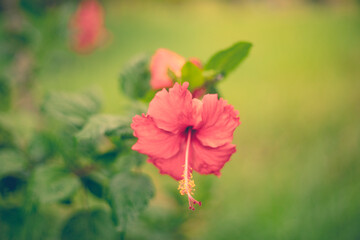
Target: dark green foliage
{"type": "Point", "coordinates": [5, 94]}
{"type": "Point", "coordinates": [105, 125]}
{"type": "Point", "coordinates": [158, 223]}
{"type": "Point", "coordinates": [107, 157]}
{"type": "Point", "coordinates": [130, 193]}
{"type": "Point", "coordinates": [72, 109]}
{"type": "Point", "coordinates": [6, 137]}
{"type": "Point", "coordinates": [39, 7]}
{"type": "Point", "coordinates": [228, 59]}
{"type": "Point", "coordinates": [89, 225]}
{"type": "Point", "coordinates": [11, 223]}
{"type": "Point", "coordinates": [93, 185]}
{"type": "Point", "coordinates": [10, 184]}
{"type": "Point", "coordinates": [53, 183]}
{"type": "Point", "coordinates": [135, 77]}
{"type": "Point", "coordinates": [11, 161]}
{"type": "Point", "coordinates": [18, 224]}
{"type": "Point", "coordinates": [66, 202]}
{"type": "Point", "coordinates": [39, 225]}
{"type": "Point", "coordinates": [42, 146]}
{"type": "Point", "coordinates": [126, 162]}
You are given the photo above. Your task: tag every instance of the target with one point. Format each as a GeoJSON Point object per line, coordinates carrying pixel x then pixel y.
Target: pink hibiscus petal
{"type": "Point", "coordinates": [174, 166]}
{"type": "Point", "coordinates": [172, 111]}
{"type": "Point", "coordinates": [197, 107]}
{"type": "Point", "coordinates": [153, 141]}
{"type": "Point", "coordinates": [161, 61]}
{"type": "Point", "coordinates": [208, 160]}
{"type": "Point", "coordinates": [219, 121]}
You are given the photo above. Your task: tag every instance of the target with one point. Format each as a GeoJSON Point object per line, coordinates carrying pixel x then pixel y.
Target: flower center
{"type": "Point", "coordinates": [186, 185]}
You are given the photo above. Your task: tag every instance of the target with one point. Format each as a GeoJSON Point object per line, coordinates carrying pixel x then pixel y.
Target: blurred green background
{"type": "Point", "coordinates": [296, 173]}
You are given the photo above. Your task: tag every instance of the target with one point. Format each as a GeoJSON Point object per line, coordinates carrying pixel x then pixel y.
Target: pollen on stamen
{"type": "Point", "coordinates": [186, 186]}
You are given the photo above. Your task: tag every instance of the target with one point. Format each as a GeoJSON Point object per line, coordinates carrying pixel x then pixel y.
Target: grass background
{"type": "Point", "coordinates": [296, 173]}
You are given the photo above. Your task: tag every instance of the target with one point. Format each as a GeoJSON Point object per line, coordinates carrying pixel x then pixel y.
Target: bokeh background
{"type": "Point", "coordinates": [296, 172]}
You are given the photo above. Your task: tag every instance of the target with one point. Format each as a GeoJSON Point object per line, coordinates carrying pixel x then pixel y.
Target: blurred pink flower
{"type": "Point", "coordinates": [87, 26]}
{"type": "Point", "coordinates": [161, 61]}
{"type": "Point", "coordinates": [181, 133]}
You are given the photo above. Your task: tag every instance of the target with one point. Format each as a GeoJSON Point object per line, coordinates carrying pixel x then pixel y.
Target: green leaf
{"type": "Point", "coordinates": [192, 74]}
{"type": "Point", "coordinates": [18, 224]}
{"type": "Point", "coordinates": [41, 147]}
{"type": "Point", "coordinates": [11, 184]}
{"type": "Point", "coordinates": [107, 157]}
{"type": "Point", "coordinates": [5, 94]}
{"type": "Point", "coordinates": [135, 77]}
{"type": "Point", "coordinates": [209, 75]}
{"type": "Point", "coordinates": [89, 225]}
{"type": "Point", "coordinates": [101, 125]}
{"type": "Point", "coordinates": [53, 183]}
{"type": "Point", "coordinates": [212, 89]}
{"type": "Point", "coordinates": [11, 223]}
{"type": "Point", "coordinates": [93, 185]}
{"type": "Point", "coordinates": [130, 194]}
{"type": "Point", "coordinates": [72, 109]}
{"type": "Point", "coordinates": [6, 137]}
{"type": "Point", "coordinates": [18, 126]}
{"type": "Point", "coordinates": [39, 225]}
{"type": "Point", "coordinates": [11, 162]}
{"type": "Point", "coordinates": [160, 223]}
{"type": "Point", "coordinates": [228, 59]}
{"type": "Point", "coordinates": [127, 162]}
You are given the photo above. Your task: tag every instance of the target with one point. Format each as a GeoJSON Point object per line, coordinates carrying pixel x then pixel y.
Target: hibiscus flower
{"type": "Point", "coordinates": [164, 60]}
{"type": "Point", "coordinates": [87, 26]}
{"type": "Point", "coordinates": [180, 134]}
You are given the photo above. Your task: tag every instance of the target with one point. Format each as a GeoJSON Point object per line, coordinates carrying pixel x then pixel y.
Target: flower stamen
{"type": "Point", "coordinates": [187, 184]}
